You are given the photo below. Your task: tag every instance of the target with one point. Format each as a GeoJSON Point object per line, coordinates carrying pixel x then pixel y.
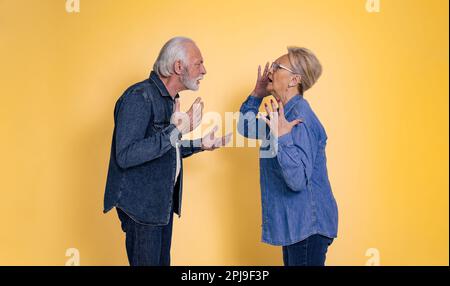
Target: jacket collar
{"type": "Point", "coordinates": [292, 102]}
{"type": "Point", "coordinates": [160, 85]}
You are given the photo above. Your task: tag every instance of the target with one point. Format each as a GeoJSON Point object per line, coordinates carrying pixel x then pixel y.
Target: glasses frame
{"type": "Point", "coordinates": [276, 66]}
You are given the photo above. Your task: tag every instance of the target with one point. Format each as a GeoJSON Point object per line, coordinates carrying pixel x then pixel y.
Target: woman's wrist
{"type": "Point", "coordinates": [255, 94]}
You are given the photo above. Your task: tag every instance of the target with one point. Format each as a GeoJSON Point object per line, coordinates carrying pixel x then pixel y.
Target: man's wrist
{"type": "Point", "coordinates": [175, 135]}
{"type": "Point", "coordinates": [181, 129]}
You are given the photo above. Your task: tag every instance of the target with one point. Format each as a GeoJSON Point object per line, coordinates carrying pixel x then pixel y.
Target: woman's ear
{"type": "Point", "coordinates": [295, 80]}
{"type": "Point", "coordinates": [298, 79]}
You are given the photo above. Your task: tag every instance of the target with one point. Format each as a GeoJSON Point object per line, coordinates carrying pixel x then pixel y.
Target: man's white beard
{"type": "Point", "coordinates": [189, 83]}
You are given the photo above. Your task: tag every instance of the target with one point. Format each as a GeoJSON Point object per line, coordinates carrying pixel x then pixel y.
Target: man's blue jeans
{"type": "Point", "coordinates": [146, 245]}
{"type": "Point", "coordinates": [308, 252]}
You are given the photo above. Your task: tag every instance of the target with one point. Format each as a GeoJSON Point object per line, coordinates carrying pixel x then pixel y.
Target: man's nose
{"type": "Point", "coordinates": [203, 71]}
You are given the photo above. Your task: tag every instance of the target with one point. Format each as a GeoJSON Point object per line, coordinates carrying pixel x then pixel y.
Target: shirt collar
{"type": "Point", "coordinates": [292, 102]}
{"type": "Point", "coordinates": [160, 85]}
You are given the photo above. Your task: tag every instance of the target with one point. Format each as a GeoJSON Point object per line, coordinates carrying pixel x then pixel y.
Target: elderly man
{"type": "Point", "coordinates": [145, 171]}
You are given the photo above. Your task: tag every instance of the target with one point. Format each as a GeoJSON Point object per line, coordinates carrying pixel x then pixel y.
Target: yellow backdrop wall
{"type": "Point", "coordinates": [383, 99]}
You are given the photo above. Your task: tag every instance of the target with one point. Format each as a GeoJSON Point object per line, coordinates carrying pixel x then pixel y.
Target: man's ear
{"type": "Point", "coordinates": [178, 67]}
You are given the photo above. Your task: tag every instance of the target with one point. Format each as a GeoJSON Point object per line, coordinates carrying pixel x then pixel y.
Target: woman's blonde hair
{"type": "Point", "coordinates": [306, 64]}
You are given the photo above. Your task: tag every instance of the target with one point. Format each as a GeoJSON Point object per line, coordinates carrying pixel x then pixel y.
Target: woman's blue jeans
{"type": "Point", "coordinates": [308, 252]}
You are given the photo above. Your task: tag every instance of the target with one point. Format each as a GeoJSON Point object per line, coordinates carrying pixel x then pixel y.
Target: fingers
{"type": "Point", "coordinates": [208, 139]}
{"type": "Point", "coordinates": [177, 105]}
{"type": "Point", "coordinates": [295, 122]}
{"type": "Point", "coordinates": [272, 112]}
{"type": "Point", "coordinates": [227, 138]}
{"type": "Point", "coordinates": [263, 118]}
{"type": "Point", "coordinates": [274, 107]}
{"type": "Point", "coordinates": [196, 105]}
{"type": "Point", "coordinates": [197, 100]}
{"type": "Point", "coordinates": [265, 73]}
{"type": "Point", "coordinates": [197, 116]}
{"type": "Point", "coordinates": [281, 108]}
{"type": "Point", "coordinates": [266, 70]}
{"type": "Point", "coordinates": [266, 107]}
{"type": "Point", "coordinates": [197, 112]}
{"type": "Point", "coordinates": [220, 142]}
{"type": "Point", "coordinates": [211, 133]}
{"type": "Point", "coordinates": [194, 114]}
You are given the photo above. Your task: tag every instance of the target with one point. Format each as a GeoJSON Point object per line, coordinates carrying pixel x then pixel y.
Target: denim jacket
{"type": "Point", "coordinates": [143, 159]}
{"type": "Point", "coordinates": [296, 195]}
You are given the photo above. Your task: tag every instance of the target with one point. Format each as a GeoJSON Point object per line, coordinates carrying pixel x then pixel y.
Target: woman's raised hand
{"type": "Point", "coordinates": [262, 81]}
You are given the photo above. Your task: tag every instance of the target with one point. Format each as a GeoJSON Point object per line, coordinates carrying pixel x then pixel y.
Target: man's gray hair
{"type": "Point", "coordinates": [172, 51]}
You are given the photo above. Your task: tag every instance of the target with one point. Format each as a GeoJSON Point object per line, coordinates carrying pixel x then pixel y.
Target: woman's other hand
{"type": "Point", "coordinates": [277, 122]}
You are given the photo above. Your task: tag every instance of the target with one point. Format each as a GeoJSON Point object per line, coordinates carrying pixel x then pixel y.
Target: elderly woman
{"type": "Point", "coordinates": [299, 211]}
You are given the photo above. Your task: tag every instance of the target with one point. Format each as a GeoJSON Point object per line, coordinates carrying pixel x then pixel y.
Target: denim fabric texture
{"type": "Point", "coordinates": [297, 200]}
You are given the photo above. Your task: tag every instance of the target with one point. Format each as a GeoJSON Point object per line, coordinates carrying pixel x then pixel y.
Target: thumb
{"type": "Point", "coordinates": [296, 122]}
{"type": "Point", "coordinates": [177, 105]}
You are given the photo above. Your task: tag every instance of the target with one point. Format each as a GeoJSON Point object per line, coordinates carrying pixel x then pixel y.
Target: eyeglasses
{"type": "Point", "coordinates": [276, 66]}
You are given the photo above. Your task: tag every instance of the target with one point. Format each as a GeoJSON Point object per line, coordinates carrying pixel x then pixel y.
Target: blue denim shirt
{"type": "Point", "coordinates": [297, 200]}
{"type": "Point", "coordinates": [142, 165]}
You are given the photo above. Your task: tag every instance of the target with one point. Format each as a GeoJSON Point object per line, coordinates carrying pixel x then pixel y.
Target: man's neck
{"type": "Point", "coordinates": [172, 85]}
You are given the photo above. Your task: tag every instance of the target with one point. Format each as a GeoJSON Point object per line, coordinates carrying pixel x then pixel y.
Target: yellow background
{"type": "Point", "coordinates": [383, 99]}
